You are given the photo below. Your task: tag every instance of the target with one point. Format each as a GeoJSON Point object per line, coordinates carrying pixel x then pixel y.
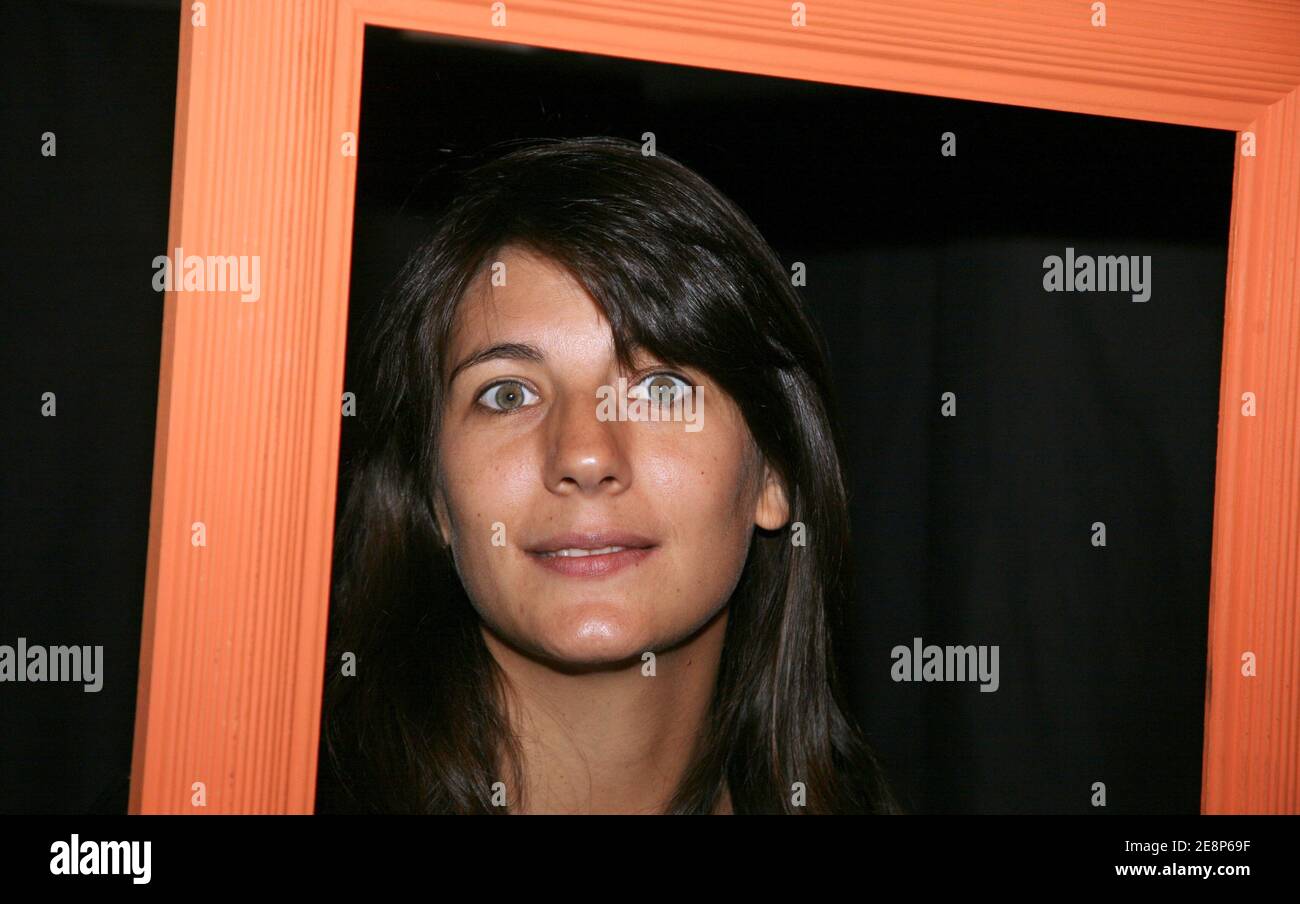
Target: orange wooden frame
{"type": "Point", "coordinates": [249, 398]}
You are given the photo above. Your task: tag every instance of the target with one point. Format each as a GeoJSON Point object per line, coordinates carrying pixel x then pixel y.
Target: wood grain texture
{"type": "Point", "coordinates": [1251, 763]}
{"type": "Point", "coordinates": [247, 437]}
{"type": "Point", "coordinates": [1162, 60]}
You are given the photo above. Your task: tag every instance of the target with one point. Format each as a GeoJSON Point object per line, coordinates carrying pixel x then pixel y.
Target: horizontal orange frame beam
{"type": "Point", "coordinates": [246, 452]}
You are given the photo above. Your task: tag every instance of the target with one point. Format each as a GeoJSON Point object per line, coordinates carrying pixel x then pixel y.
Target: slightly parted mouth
{"type": "Point", "coordinates": [590, 543]}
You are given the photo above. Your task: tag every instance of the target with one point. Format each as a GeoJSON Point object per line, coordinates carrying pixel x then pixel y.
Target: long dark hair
{"type": "Point", "coordinates": [680, 271]}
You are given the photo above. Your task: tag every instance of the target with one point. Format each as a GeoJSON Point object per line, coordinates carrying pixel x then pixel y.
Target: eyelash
{"type": "Point", "coordinates": [663, 373]}
{"type": "Point", "coordinates": [499, 383]}
{"type": "Point", "coordinates": [501, 411]}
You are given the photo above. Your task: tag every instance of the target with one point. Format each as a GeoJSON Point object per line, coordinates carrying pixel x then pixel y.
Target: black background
{"type": "Point", "coordinates": [925, 272]}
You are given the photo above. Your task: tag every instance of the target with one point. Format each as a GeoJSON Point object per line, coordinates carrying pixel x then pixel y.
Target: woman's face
{"type": "Point", "coordinates": [531, 462]}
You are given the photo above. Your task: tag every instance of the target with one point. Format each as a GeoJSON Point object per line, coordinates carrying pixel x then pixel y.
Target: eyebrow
{"type": "Point", "coordinates": [514, 351]}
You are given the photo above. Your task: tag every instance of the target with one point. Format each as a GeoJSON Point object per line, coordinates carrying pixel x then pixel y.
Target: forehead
{"type": "Point", "coordinates": [521, 296]}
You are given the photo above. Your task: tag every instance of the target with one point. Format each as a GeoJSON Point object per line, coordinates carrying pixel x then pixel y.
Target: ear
{"type": "Point", "coordinates": [773, 509]}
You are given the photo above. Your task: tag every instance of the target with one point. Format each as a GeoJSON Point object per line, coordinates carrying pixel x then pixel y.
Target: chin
{"type": "Point", "coordinates": [597, 635]}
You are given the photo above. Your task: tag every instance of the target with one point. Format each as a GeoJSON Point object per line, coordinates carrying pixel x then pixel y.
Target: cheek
{"type": "Point", "coordinates": [706, 495]}
{"type": "Point", "coordinates": [487, 491]}
{"type": "Point", "coordinates": [487, 482]}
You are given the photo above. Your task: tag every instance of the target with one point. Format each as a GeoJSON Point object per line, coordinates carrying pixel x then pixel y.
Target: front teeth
{"type": "Point", "coordinates": [584, 552]}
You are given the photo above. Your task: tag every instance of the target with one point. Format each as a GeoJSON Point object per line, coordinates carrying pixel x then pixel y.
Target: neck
{"type": "Point", "coordinates": [609, 740]}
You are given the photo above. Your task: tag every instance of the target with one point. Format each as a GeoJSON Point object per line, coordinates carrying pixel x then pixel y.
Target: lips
{"type": "Point", "coordinates": [578, 553]}
{"type": "Point", "coordinates": [587, 543]}
{"type": "Point", "coordinates": [591, 554]}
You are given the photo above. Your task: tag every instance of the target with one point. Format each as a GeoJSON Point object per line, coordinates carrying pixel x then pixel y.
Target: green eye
{"type": "Point", "coordinates": [662, 387]}
{"type": "Point", "coordinates": [506, 396]}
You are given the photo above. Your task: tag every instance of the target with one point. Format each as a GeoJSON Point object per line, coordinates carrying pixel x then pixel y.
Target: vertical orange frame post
{"type": "Point", "coordinates": [237, 586]}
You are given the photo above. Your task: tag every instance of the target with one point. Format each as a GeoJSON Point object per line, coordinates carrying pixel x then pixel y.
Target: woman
{"type": "Point", "coordinates": [561, 588]}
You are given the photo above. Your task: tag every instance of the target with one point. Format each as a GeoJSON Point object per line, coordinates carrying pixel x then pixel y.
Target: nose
{"type": "Point", "coordinates": [586, 454]}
